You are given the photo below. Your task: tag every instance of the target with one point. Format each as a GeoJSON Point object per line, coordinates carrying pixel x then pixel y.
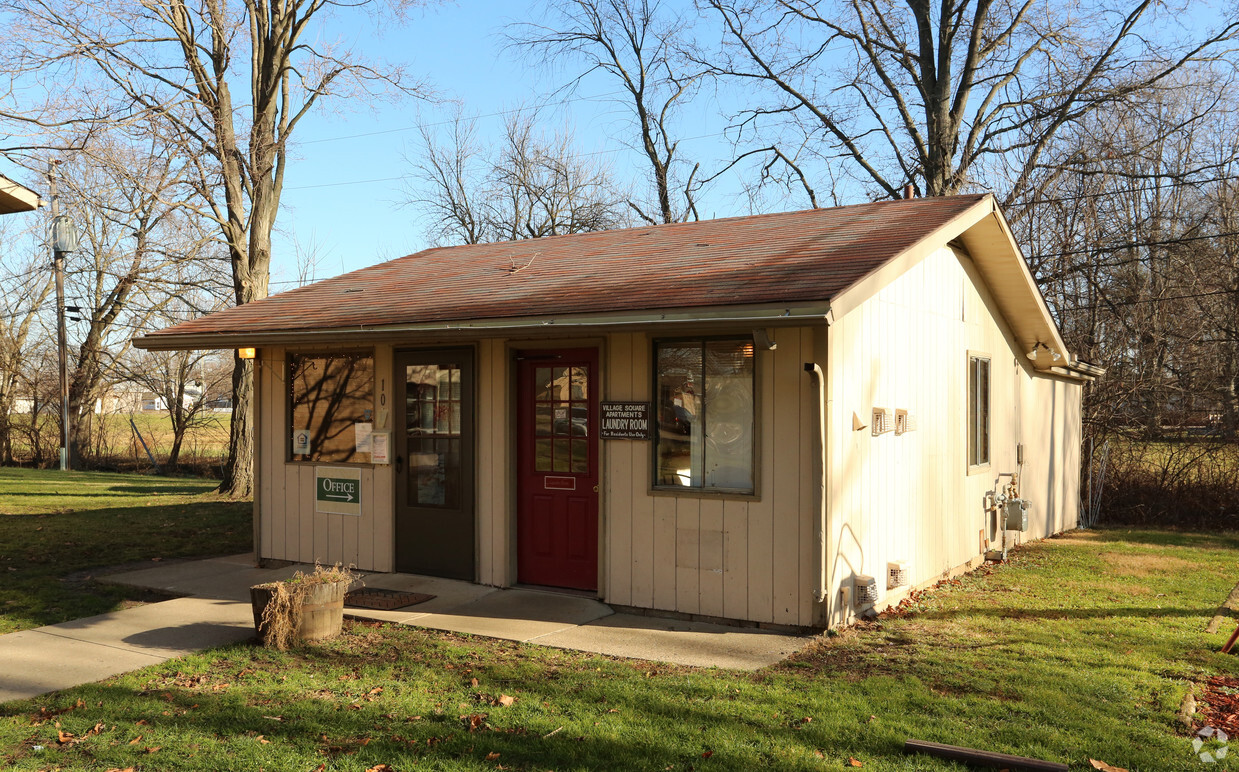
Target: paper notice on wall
{"type": "Point", "coordinates": [361, 436]}
{"type": "Point", "coordinates": [301, 442]}
{"type": "Point", "coordinates": [380, 444]}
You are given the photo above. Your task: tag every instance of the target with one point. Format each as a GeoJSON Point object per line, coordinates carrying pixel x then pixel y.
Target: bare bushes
{"type": "Point", "coordinates": [1187, 483]}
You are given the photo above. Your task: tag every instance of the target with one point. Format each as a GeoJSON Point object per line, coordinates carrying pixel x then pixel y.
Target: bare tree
{"type": "Point", "coordinates": [527, 187]}
{"type": "Point", "coordinates": [937, 94]}
{"type": "Point", "coordinates": [177, 63]}
{"type": "Point", "coordinates": [187, 382]}
{"type": "Point", "coordinates": [23, 292]}
{"type": "Point", "coordinates": [135, 242]}
{"type": "Point", "coordinates": [637, 44]}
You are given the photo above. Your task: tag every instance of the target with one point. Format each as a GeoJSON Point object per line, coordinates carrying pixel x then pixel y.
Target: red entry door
{"type": "Point", "coordinates": [557, 468]}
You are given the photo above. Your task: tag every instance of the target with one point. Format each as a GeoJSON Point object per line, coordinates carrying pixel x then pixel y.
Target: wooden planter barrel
{"type": "Point", "coordinates": [322, 609]}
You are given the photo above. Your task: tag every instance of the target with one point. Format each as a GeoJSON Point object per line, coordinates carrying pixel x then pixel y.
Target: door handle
{"type": "Point", "coordinates": [399, 464]}
{"type": "Point", "coordinates": [595, 489]}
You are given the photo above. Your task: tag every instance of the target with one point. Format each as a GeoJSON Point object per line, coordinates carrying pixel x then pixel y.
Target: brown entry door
{"type": "Point", "coordinates": [557, 468]}
{"type": "Point", "coordinates": [433, 440]}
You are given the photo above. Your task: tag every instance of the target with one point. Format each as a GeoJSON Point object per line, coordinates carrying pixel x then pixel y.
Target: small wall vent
{"type": "Point", "coordinates": [883, 421]}
{"type": "Point", "coordinates": [866, 590]}
{"type": "Point", "coordinates": [904, 422]}
{"type": "Point", "coordinates": [898, 574]}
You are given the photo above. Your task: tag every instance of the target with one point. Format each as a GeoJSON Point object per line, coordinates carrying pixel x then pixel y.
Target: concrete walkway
{"type": "Point", "coordinates": [216, 611]}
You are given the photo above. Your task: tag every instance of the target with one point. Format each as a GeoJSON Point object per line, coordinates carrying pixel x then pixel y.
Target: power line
{"type": "Point", "coordinates": [1125, 191]}
{"type": "Point", "coordinates": [1136, 244]}
{"type": "Point", "coordinates": [513, 111]}
{"type": "Point", "coordinates": [1140, 301]}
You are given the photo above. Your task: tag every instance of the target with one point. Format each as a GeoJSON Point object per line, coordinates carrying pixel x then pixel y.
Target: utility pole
{"type": "Point", "coordinates": [64, 239]}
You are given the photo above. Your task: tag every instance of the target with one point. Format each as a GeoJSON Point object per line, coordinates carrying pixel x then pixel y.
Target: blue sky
{"type": "Point", "coordinates": [341, 200]}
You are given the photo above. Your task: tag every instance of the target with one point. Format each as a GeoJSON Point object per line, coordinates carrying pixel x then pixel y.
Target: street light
{"type": "Point", "coordinates": [64, 241]}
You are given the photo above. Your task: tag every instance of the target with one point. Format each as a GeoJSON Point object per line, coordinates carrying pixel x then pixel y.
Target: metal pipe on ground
{"type": "Point", "coordinates": [982, 758]}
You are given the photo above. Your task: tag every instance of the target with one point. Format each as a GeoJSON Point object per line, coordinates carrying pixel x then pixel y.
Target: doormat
{"type": "Point", "coordinates": [384, 600]}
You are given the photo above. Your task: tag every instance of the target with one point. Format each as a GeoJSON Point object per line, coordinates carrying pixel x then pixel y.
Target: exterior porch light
{"type": "Point", "coordinates": [247, 353]}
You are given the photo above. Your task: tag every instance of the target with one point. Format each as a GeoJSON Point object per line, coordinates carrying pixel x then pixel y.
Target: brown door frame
{"type": "Point", "coordinates": [463, 561]}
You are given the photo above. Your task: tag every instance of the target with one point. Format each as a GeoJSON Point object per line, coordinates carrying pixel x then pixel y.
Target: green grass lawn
{"type": "Point", "coordinates": [1079, 648]}
{"type": "Point", "coordinates": [57, 527]}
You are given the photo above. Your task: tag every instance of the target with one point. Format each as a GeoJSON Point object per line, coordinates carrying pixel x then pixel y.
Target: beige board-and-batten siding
{"type": "Point", "coordinates": [913, 497]}
{"type": "Point", "coordinates": [745, 558]}
{"type": "Point", "coordinates": [738, 557]}
{"type": "Point", "coordinates": [289, 527]}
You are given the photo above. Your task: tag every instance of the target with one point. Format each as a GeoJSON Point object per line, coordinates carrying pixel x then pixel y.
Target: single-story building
{"type": "Point", "coordinates": [738, 419]}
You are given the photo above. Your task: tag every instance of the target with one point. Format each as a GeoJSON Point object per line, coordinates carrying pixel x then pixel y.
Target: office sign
{"type": "Point", "coordinates": [624, 421]}
{"type": "Point", "coordinates": [337, 491]}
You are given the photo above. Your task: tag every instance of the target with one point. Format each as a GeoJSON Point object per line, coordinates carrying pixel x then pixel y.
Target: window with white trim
{"type": "Point", "coordinates": [978, 410]}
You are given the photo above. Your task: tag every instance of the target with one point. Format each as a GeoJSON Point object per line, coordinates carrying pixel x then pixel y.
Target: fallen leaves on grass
{"type": "Point", "coordinates": [853, 762]}
{"type": "Point", "coordinates": [68, 738]}
{"type": "Point", "coordinates": [44, 714]}
{"type": "Point", "coordinates": [492, 756]}
{"type": "Point", "coordinates": [505, 700]}
{"type": "Point", "coordinates": [1104, 767]}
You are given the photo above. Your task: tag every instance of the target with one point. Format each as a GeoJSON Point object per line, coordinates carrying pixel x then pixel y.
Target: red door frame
{"type": "Point", "coordinates": [556, 511]}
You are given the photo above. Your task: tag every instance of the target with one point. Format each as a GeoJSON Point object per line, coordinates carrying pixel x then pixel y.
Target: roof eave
{"type": "Point", "coordinates": [991, 245]}
{"type": "Point", "coordinates": [16, 198]}
{"type": "Point", "coordinates": [767, 314]}
{"type": "Point", "coordinates": [985, 234]}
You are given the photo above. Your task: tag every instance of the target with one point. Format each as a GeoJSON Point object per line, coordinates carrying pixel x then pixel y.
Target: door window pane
{"type": "Point", "coordinates": [542, 455]}
{"type": "Point", "coordinates": [561, 412]}
{"type": "Point", "coordinates": [433, 426]}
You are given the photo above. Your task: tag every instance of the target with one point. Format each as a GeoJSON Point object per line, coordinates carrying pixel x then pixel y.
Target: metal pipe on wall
{"type": "Point", "coordinates": [820, 591]}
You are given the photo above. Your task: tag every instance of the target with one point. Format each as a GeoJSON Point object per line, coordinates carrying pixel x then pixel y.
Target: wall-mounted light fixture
{"type": "Point", "coordinates": [247, 353]}
{"type": "Point", "coordinates": [1039, 348]}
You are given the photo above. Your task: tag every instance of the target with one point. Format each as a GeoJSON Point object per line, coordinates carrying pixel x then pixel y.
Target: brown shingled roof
{"type": "Point", "coordinates": [806, 256]}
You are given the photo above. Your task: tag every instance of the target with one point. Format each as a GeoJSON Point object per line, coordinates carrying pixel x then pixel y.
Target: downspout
{"type": "Point", "coordinates": [819, 484]}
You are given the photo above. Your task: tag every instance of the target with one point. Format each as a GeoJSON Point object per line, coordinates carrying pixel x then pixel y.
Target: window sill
{"type": "Point", "coordinates": [978, 468]}
{"type": "Point", "coordinates": [685, 492]}
{"type": "Point", "coordinates": [361, 464]}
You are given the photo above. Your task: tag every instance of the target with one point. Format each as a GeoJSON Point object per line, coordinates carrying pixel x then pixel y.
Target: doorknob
{"type": "Point", "coordinates": [595, 489]}
{"type": "Point", "coordinates": [399, 464]}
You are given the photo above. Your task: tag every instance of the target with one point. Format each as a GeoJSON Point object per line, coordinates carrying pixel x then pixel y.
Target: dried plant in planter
{"type": "Point", "coordinates": [305, 607]}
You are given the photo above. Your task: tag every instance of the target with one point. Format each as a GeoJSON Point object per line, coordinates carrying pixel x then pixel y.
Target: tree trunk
{"type": "Point", "coordinates": [238, 479]}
